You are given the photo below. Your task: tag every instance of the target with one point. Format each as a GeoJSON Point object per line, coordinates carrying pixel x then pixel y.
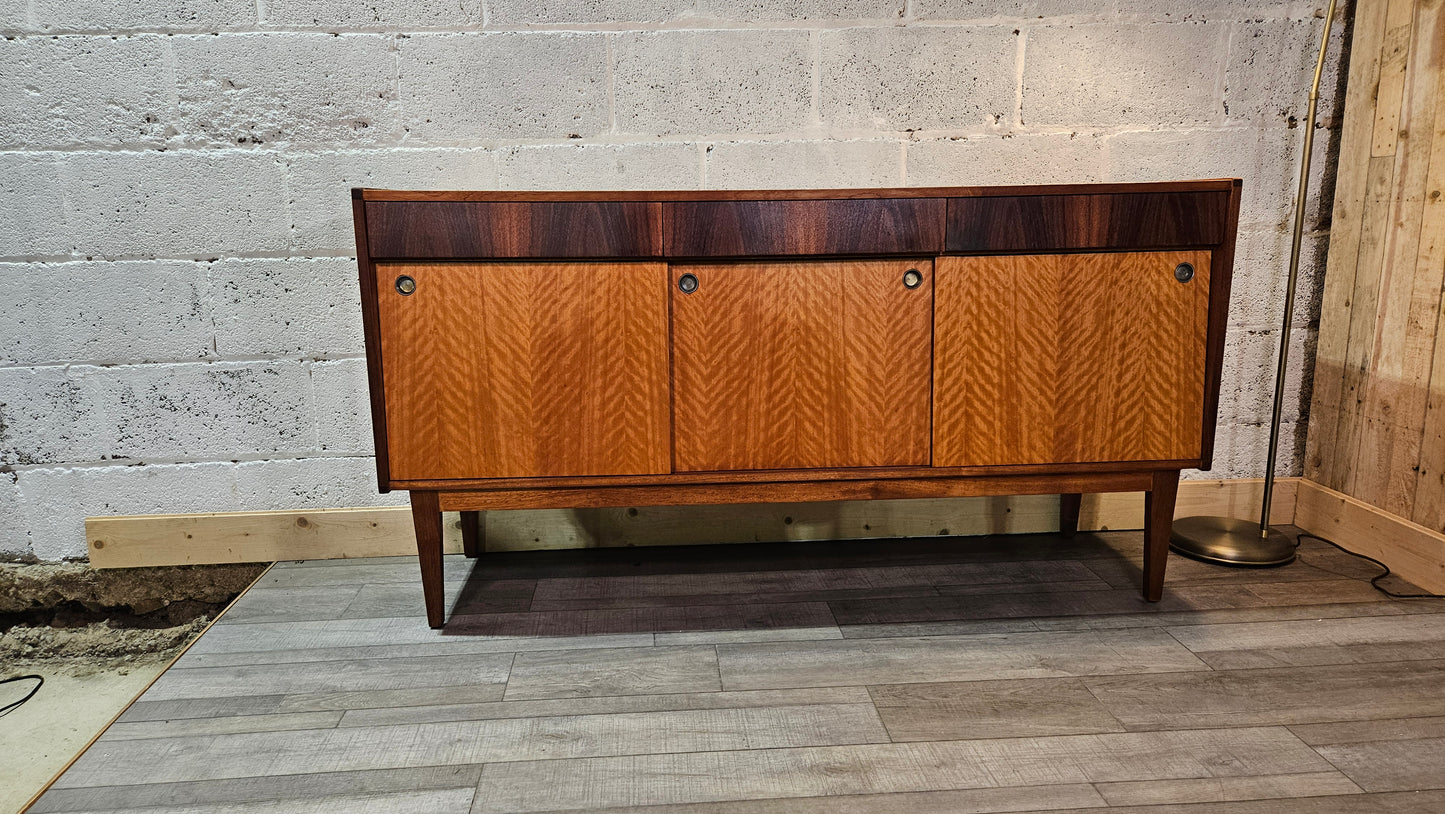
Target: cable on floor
{"type": "Point", "coordinates": [10, 707]}
{"type": "Point", "coordinates": [1376, 580]}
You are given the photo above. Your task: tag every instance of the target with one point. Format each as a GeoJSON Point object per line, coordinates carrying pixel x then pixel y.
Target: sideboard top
{"type": "Point", "coordinates": [1205, 185]}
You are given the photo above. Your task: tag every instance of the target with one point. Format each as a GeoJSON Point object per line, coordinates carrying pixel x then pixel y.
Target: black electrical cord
{"type": "Point", "coordinates": [1376, 580]}
{"type": "Point", "coordinates": [8, 708]}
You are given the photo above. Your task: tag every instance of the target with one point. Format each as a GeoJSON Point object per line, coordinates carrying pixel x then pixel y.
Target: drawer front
{"type": "Point", "coordinates": [784, 228]}
{"type": "Point", "coordinates": [1040, 223]}
{"type": "Point", "coordinates": [471, 230]}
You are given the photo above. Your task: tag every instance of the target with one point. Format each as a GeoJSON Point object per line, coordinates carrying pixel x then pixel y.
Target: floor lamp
{"type": "Point", "coordinates": [1229, 540]}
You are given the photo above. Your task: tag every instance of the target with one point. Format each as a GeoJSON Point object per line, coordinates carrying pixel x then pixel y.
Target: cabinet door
{"type": "Point", "coordinates": [498, 370]}
{"type": "Point", "coordinates": [1044, 359]}
{"type": "Point", "coordinates": [802, 364]}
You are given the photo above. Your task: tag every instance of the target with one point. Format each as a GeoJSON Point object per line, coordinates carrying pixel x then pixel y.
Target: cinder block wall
{"type": "Point", "coordinates": [179, 325]}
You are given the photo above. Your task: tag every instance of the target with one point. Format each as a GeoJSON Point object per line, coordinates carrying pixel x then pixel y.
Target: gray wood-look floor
{"type": "Point", "coordinates": [921, 676]}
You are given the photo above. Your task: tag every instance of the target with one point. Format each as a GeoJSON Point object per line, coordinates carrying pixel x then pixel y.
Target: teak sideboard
{"type": "Point", "coordinates": [567, 350]}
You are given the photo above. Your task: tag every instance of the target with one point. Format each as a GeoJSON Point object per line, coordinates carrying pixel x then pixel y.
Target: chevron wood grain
{"type": "Point", "coordinates": [525, 369]}
{"type": "Point", "coordinates": [1068, 358]}
{"type": "Point", "coordinates": [801, 364]}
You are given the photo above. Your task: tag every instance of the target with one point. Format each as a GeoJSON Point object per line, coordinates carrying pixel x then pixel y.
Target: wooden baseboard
{"type": "Point", "coordinates": [1412, 551]}
{"type": "Point", "coordinates": [188, 539]}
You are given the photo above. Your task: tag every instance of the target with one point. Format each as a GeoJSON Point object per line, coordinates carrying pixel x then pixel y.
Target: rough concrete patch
{"type": "Point", "coordinates": [25, 588]}
{"type": "Point", "coordinates": [95, 646]}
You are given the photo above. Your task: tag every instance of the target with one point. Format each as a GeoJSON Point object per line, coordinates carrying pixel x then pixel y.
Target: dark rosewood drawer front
{"type": "Point", "coordinates": [464, 230]}
{"type": "Point", "coordinates": [821, 227]}
{"type": "Point", "coordinates": [1155, 220]}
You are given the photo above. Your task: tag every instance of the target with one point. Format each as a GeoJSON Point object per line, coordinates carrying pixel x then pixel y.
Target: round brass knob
{"type": "Point", "coordinates": [1184, 272]}
{"type": "Point", "coordinates": [687, 283]}
{"type": "Point", "coordinates": [912, 278]}
{"type": "Point", "coordinates": [405, 285]}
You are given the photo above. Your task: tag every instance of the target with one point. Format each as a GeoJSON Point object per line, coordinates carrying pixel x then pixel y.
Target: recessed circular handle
{"type": "Point", "coordinates": [687, 283]}
{"type": "Point", "coordinates": [912, 278]}
{"type": "Point", "coordinates": [405, 285]}
{"type": "Point", "coordinates": [1184, 272]}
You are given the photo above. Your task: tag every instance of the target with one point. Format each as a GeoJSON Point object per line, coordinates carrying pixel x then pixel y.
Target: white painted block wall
{"type": "Point", "coordinates": [180, 327]}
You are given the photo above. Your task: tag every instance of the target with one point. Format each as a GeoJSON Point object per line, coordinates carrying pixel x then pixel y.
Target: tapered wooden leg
{"type": "Point", "coordinates": [472, 541]}
{"type": "Point", "coordinates": [1069, 514]}
{"type": "Point", "coordinates": [426, 515]}
{"type": "Point", "coordinates": [1158, 521]}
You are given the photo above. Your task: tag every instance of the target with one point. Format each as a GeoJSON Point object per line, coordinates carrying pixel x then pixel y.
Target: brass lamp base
{"type": "Point", "coordinates": [1230, 541]}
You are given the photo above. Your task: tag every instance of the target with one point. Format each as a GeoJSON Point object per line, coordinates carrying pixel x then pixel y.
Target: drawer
{"type": "Point", "coordinates": [817, 227]}
{"type": "Point", "coordinates": [1129, 220]}
{"type": "Point", "coordinates": [475, 230]}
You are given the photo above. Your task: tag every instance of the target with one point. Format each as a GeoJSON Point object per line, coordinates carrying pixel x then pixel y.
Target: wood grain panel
{"type": "Point", "coordinates": [444, 230]}
{"type": "Point", "coordinates": [1059, 358]}
{"type": "Point", "coordinates": [801, 365]}
{"type": "Point", "coordinates": [764, 228]}
{"type": "Point", "coordinates": [1156, 220]}
{"type": "Point", "coordinates": [526, 369]}
{"type": "Point", "coordinates": [1377, 418]}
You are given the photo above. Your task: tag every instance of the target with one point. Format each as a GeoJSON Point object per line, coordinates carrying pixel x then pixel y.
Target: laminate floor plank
{"type": "Point", "coordinates": [772, 634]}
{"type": "Point", "coordinates": [1099, 602]}
{"type": "Point", "coordinates": [455, 568]}
{"type": "Point", "coordinates": [962, 801]}
{"type": "Point", "coordinates": [964, 658]}
{"type": "Point", "coordinates": [446, 646]}
{"type": "Point", "coordinates": [471, 596]}
{"type": "Point", "coordinates": [150, 796]}
{"type": "Point", "coordinates": [186, 727]}
{"type": "Point", "coordinates": [1393, 729]}
{"type": "Point", "coordinates": [991, 709]}
{"type": "Point", "coordinates": [1391, 765]}
{"type": "Point", "coordinates": [292, 604]}
{"type": "Point", "coordinates": [785, 597]}
{"type": "Point", "coordinates": [441, 801]}
{"type": "Point", "coordinates": [644, 620]}
{"type": "Point", "coordinates": [1273, 696]}
{"type": "Point", "coordinates": [1429, 802]}
{"type": "Point", "coordinates": [643, 671]}
{"type": "Point", "coordinates": [1226, 615]}
{"type": "Point", "coordinates": [602, 705]}
{"type": "Point", "coordinates": [1226, 789]}
{"type": "Point", "coordinates": [466, 742]}
{"type": "Point", "coordinates": [699, 777]}
{"type": "Point", "coordinates": [1316, 642]}
{"type": "Point", "coordinates": [329, 676]}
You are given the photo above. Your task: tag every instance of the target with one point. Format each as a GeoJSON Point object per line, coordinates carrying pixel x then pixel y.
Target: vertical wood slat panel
{"type": "Point", "coordinates": [1322, 462]}
{"type": "Point", "coordinates": [1377, 428]}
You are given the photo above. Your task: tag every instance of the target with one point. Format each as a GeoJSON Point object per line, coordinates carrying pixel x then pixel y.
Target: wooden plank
{"type": "Point", "coordinates": [1429, 503]}
{"type": "Point", "coordinates": [525, 369]}
{"type": "Point", "coordinates": [801, 365]}
{"type": "Point", "coordinates": [890, 768]}
{"type": "Point", "coordinates": [1322, 457]}
{"type": "Point", "coordinates": [485, 671]}
{"type": "Point", "coordinates": [990, 709]}
{"type": "Point", "coordinates": [1051, 797]}
{"type": "Point", "coordinates": [1041, 358]}
{"type": "Point", "coordinates": [321, 534]}
{"type": "Point", "coordinates": [1392, 729]}
{"type": "Point", "coordinates": [1394, 393]}
{"type": "Point", "coordinates": [995, 657]}
{"type": "Point", "coordinates": [1394, 60]}
{"type": "Point", "coordinates": [1412, 551]}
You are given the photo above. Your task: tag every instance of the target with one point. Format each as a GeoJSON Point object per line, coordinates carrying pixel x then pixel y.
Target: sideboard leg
{"type": "Point", "coordinates": [1158, 521]}
{"type": "Point", "coordinates": [426, 515]}
{"type": "Point", "coordinates": [472, 542]}
{"type": "Point", "coordinates": [1069, 513]}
